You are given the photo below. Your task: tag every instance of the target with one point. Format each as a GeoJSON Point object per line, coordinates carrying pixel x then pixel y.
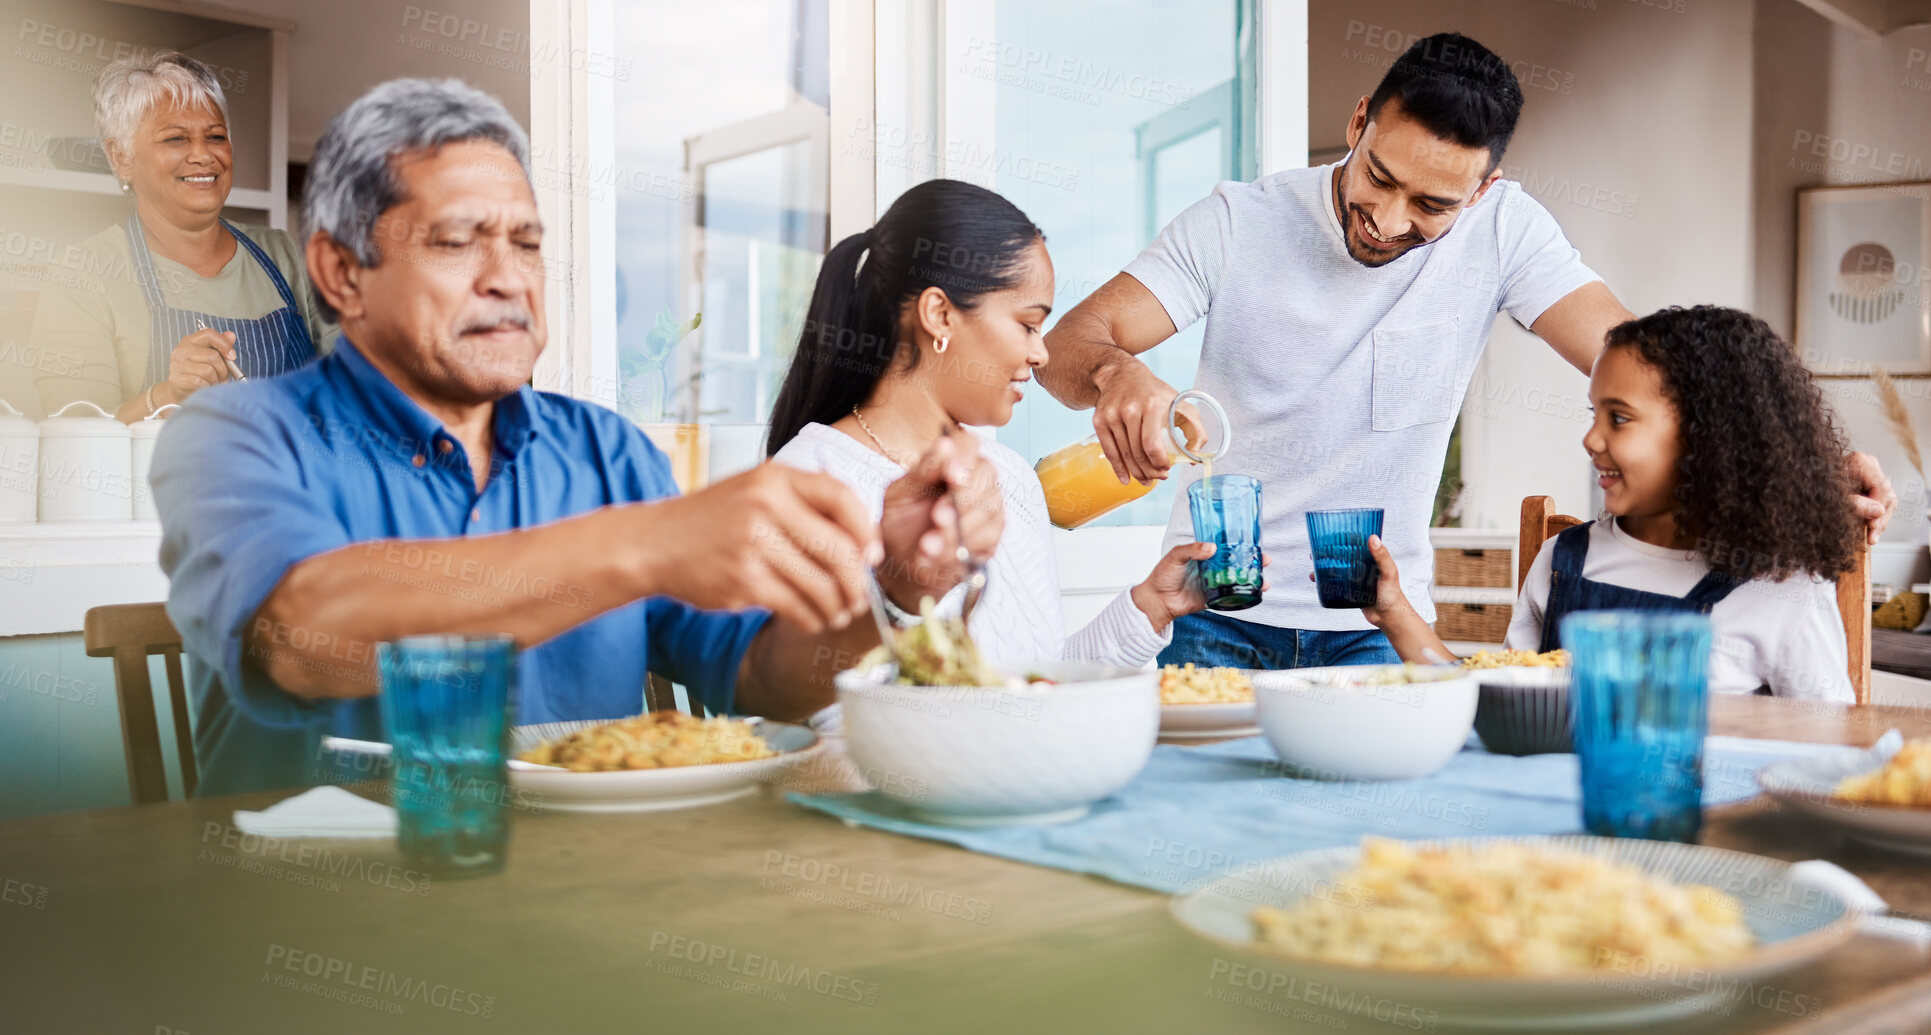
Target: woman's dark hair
{"type": "Point", "coordinates": [1761, 484]}
{"type": "Point", "coordinates": [1459, 89]}
{"type": "Point", "coordinates": [962, 239]}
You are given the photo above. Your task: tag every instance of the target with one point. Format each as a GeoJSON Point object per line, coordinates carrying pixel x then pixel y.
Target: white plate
{"type": "Point", "coordinates": [1794, 924]}
{"type": "Point", "coordinates": [1208, 721]}
{"type": "Point", "coordinates": [650, 790]}
{"type": "Point", "coordinates": [1805, 784]}
{"type": "Point", "coordinates": [1217, 721]}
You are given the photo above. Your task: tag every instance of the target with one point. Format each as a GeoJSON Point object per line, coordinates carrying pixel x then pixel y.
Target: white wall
{"type": "Point", "coordinates": [343, 47]}
{"type": "Point", "coordinates": [1822, 86]}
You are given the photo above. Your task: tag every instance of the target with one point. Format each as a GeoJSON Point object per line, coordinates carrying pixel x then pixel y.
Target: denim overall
{"type": "Point", "coordinates": [272, 345]}
{"type": "Point", "coordinates": [1569, 591]}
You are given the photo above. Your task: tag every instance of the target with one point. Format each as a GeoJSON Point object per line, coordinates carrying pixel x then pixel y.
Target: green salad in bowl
{"type": "Point", "coordinates": [940, 652]}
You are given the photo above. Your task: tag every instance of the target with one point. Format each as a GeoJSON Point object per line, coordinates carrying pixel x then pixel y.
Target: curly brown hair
{"type": "Point", "coordinates": [1761, 485]}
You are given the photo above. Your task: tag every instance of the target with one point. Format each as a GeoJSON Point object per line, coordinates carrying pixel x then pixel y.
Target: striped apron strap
{"type": "Point", "coordinates": [268, 266]}
{"type": "Point", "coordinates": [283, 337]}
{"type": "Point", "coordinates": [165, 326]}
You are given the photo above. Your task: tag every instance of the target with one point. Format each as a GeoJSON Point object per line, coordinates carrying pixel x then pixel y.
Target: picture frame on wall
{"type": "Point", "coordinates": [1864, 278]}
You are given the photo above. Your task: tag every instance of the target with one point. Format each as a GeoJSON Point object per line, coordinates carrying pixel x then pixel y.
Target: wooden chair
{"type": "Point", "coordinates": [1540, 522]}
{"type": "Point", "coordinates": [659, 694]}
{"type": "Point", "coordinates": [130, 634]}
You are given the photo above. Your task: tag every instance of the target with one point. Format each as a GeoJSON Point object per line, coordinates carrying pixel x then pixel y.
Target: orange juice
{"type": "Point", "coordinates": [1079, 481]}
{"type": "Point", "coordinates": [1080, 484]}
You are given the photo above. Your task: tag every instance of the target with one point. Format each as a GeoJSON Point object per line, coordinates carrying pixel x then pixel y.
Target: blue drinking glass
{"type": "Point", "coordinates": [1345, 573]}
{"type": "Point", "coordinates": [1641, 694]}
{"type": "Point", "coordinates": [1227, 513]}
{"type": "Point", "coordinates": [446, 702]}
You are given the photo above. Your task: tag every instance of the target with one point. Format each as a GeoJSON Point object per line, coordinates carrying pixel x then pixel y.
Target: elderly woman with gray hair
{"type": "Point", "coordinates": [186, 299]}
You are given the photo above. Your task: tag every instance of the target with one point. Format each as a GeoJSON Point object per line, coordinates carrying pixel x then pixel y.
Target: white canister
{"type": "Point", "coordinates": [86, 467]}
{"type": "Point", "coordinates": [143, 433]}
{"type": "Point", "coordinates": [19, 465]}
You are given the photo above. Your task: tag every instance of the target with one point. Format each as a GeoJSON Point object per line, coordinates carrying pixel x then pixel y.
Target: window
{"type": "Point", "coordinates": [1102, 139]}
{"type": "Point", "coordinates": [749, 134]}
{"type": "Point", "coordinates": [726, 119]}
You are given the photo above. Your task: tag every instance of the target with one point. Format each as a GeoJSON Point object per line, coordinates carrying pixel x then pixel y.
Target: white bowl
{"type": "Point", "coordinates": [981, 756]}
{"type": "Point", "coordinates": [1326, 723]}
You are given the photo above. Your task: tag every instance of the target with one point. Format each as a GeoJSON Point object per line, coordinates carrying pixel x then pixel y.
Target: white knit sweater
{"type": "Point", "coordinates": [1018, 620]}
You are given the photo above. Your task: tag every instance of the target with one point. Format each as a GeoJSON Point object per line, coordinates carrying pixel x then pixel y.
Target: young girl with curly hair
{"type": "Point", "coordinates": [1724, 491]}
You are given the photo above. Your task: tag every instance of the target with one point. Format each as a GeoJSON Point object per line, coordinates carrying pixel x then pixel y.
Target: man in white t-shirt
{"type": "Point", "coordinates": [1346, 308]}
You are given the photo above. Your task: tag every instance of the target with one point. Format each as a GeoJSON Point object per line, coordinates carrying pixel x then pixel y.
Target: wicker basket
{"type": "Point", "coordinates": [1475, 568]}
{"type": "Point", "coordinates": [1472, 623]}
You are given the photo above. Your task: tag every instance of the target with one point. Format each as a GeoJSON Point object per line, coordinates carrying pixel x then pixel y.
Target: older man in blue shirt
{"type": "Point", "coordinates": [412, 482]}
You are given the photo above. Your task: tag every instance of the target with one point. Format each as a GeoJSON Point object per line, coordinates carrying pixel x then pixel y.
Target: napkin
{"type": "Point", "coordinates": [325, 811]}
{"type": "Point", "coordinates": [1878, 919]}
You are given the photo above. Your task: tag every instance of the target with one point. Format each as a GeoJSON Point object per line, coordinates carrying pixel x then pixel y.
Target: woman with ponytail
{"type": "Point", "coordinates": [932, 320]}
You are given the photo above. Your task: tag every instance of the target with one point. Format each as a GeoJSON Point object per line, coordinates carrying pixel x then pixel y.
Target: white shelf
{"type": "Point", "coordinates": [60, 179]}
{"type": "Point", "coordinates": [50, 574]}
{"type": "Point", "coordinates": [102, 183]}
{"type": "Point", "coordinates": [1487, 595]}
{"type": "Point", "coordinates": [1472, 538]}
{"type": "Point", "coordinates": [16, 536]}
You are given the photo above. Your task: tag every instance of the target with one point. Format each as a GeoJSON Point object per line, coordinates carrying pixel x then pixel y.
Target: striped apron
{"type": "Point", "coordinates": [267, 347]}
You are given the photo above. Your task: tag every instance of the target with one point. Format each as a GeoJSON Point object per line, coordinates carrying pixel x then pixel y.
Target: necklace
{"type": "Point", "coordinates": [869, 433]}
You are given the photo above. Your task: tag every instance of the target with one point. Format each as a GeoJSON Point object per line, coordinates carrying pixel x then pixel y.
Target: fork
{"type": "Point", "coordinates": [975, 567]}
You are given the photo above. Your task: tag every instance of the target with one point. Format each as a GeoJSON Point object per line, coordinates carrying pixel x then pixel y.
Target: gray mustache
{"type": "Point", "coordinates": [514, 317]}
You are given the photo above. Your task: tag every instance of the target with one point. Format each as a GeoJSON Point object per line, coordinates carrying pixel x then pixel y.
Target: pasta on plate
{"type": "Point", "coordinates": [1186, 684]}
{"type": "Point", "coordinates": [1557, 658]}
{"type": "Point", "coordinates": [659, 740]}
{"type": "Point", "coordinates": [1904, 780]}
{"type": "Point", "coordinates": [1503, 909]}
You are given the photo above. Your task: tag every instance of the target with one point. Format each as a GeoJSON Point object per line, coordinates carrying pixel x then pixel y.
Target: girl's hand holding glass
{"type": "Point", "coordinates": [1396, 617]}
{"type": "Point", "coordinates": [1390, 601]}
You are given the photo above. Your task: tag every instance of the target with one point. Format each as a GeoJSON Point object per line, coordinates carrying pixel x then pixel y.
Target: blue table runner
{"type": "Point", "coordinates": [1195, 813]}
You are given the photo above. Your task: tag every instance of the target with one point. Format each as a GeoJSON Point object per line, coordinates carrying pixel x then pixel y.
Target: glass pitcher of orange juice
{"type": "Point", "coordinates": [1080, 483]}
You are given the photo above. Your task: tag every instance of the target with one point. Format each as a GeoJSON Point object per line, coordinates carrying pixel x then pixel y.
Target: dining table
{"type": "Point", "coordinates": [754, 915]}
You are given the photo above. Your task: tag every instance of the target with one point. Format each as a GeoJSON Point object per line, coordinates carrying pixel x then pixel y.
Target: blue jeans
{"type": "Point", "coordinates": [1207, 638]}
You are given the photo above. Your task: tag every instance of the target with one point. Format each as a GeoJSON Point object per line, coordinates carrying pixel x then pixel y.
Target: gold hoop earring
{"type": "Point", "coordinates": [940, 345]}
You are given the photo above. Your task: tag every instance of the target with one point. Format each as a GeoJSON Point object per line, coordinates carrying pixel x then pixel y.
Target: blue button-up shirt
{"type": "Point", "coordinates": [251, 479]}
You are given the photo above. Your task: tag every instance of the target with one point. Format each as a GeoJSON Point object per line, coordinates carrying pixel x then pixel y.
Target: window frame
{"type": "Point", "coordinates": [881, 140]}
{"type": "Point", "coordinates": [572, 114]}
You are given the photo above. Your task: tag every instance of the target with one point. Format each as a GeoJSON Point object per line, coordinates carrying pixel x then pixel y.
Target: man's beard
{"type": "Point", "coordinates": [1361, 253]}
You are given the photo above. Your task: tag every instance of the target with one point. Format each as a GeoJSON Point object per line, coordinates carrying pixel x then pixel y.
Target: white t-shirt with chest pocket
{"type": "Point", "coordinates": [1343, 382]}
